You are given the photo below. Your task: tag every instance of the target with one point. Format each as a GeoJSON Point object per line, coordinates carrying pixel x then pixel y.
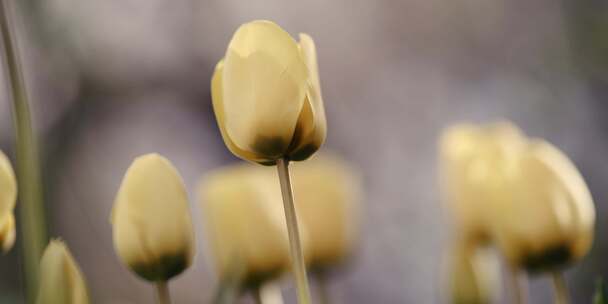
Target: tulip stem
{"type": "Point", "coordinates": [323, 288]}
{"type": "Point", "coordinates": [297, 256]}
{"type": "Point", "coordinates": [162, 292]}
{"type": "Point", "coordinates": [561, 289]}
{"type": "Point", "coordinates": [518, 286]}
{"type": "Point", "coordinates": [257, 295]}
{"type": "Point", "coordinates": [32, 219]}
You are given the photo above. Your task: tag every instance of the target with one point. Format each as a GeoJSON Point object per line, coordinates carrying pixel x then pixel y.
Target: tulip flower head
{"type": "Point", "coordinates": [61, 281]}
{"type": "Point", "coordinates": [244, 220]}
{"type": "Point", "coordinates": [8, 197]}
{"type": "Point", "coordinates": [152, 226]}
{"type": "Point", "coordinates": [328, 192]}
{"type": "Point", "coordinates": [267, 97]}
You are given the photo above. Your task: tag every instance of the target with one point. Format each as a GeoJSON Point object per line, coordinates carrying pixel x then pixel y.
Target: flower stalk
{"type": "Point", "coordinates": [561, 289]}
{"type": "Point", "coordinates": [297, 255]}
{"type": "Point", "coordinates": [162, 292]}
{"type": "Point", "coordinates": [32, 217]}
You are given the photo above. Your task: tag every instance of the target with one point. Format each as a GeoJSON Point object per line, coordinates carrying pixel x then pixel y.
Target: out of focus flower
{"type": "Point", "coordinates": [61, 281]}
{"type": "Point", "coordinates": [474, 275]}
{"type": "Point", "coordinates": [151, 220]}
{"type": "Point", "coordinates": [523, 194]}
{"type": "Point", "coordinates": [328, 192]}
{"type": "Point", "coordinates": [245, 225]}
{"type": "Point", "coordinates": [8, 197]}
{"type": "Point", "coordinates": [549, 218]}
{"type": "Point", "coordinates": [267, 97]}
{"type": "Point", "coordinates": [475, 162]}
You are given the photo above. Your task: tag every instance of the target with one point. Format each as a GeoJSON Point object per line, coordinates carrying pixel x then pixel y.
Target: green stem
{"type": "Point", "coordinates": [297, 256]}
{"type": "Point", "coordinates": [561, 289]}
{"type": "Point", "coordinates": [162, 292]}
{"type": "Point", "coordinates": [31, 216]}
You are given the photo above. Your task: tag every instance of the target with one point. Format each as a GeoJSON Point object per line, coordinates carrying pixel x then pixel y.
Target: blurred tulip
{"type": "Point", "coordinates": [267, 97]}
{"type": "Point", "coordinates": [474, 275]}
{"type": "Point", "coordinates": [61, 281]}
{"type": "Point", "coordinates": [245, 226]}
{"type": "Point", "coordinates": [475, 162]}
{"type": "Point", "coordinates": [8, 197]}
{"type": "Point", "coordinates": [328, 193]}
{"type": "Point", "coordinates": [151, 220]}
{"type": "Point", "coordinates": [549, 219]}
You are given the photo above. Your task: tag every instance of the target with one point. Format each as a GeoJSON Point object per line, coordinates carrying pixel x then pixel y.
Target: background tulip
{"type": "Point", "coordinates": [266, 95]}
{"type": "Point", "coordinates": [474, 274]}
{"type": "Point", "coordinates": [7, 232]}
{"type": "Point", "coordinates": [245, 226]}
{"type": "Point", "coordinates": [152, 226]}
{"type": "Point", "coordinates": [8, 187]}
{"type": "Point", "coordinates": [61, 281]}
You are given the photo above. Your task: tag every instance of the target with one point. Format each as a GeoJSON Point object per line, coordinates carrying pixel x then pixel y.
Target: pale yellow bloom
{"type": "Point", "coordinates": [61, 281]}
{"type": "Point", "coordinates": [151, 220]}
{"type": "Point", "coordinates": [474, 275]}
{"type": "Point", "coordinates": [327, 194]}
{"type": "Point", "coordinates": [8, 197]}
{"type": "Point", "coordinates": [245, 223]}
{"type": "Point", "coordinates": [267, 97]}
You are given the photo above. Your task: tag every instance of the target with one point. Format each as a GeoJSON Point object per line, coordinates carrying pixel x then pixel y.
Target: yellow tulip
{"type": "Point", "coordinates": [328, 193]}
{"type": "Point", "coordinates": [475, 162]}
{"type": "Point", "coordinates": [152, 226]}
{"type": "Point", "coordinates": [267, 97]}
{"type": "Point", "coordinates": [61, 281]}
{"type": "Point", "coordinates": [245, 226]}
{"type": "Point", "coordinates": [474, 275]}
{"type": "Point", "coordinates": [549, 217]}
{"type": "Point", "coordinates": [8, 197]}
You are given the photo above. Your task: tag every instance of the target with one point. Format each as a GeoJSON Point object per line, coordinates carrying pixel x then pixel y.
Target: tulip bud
{"type": "Point", "coordinates": [61, 281]}
{"type": "Point", "coordinates": [8, 197]}
{"type": "Point", "coordinates": [151, 220]}
{"type": "Point", "coordinates": [267, 97]}
{"type": "Point", "coordinates": [474, 275]}
{"type": "Point", "coordinates": [245, 225]}
{"type": "Point", "coordinates": [549, 217]}
{"type": "Point", "coordinates": [327, 192]}
{"type": "Point", "coordinates": [476, 161]}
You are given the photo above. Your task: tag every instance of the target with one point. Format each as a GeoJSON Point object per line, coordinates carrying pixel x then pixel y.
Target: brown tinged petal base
{"type": "Point", "coordinates": [161, 269]}
{"type": "Point", "coordinates": [554, 257]}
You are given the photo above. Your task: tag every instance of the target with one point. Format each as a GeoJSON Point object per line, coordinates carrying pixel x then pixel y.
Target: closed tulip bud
{"type": "Point", "coordinates": [8, 197]}
{"type": "Point", "coordinates": [549, 217]}
{"type": "Point", "coordinates": [245, 226]}
{"type": "Point", "coordinates": [328, 193]}
{"type": "Point", "coordinates": [474, 275]}
{"type": "Point", "coordinates": [267, 97]}
{"type": "Point", "coordinates": [476, 161]}
{"type": "Point", "coordinates": [61, 281]}
{"type": "Point", "coordinates": [152, 226]}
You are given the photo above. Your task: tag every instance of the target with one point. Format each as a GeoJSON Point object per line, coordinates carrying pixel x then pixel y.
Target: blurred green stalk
{"type": "Point", "coordinates": [32, 219]}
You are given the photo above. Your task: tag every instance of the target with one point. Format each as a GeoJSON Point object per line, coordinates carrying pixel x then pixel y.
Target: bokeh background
{"type": "Point", "coordinates": [113, 79]}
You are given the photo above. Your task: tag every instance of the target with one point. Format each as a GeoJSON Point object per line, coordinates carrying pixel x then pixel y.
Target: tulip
{"type": "Point", "coordinates": [549, 217]}
{"type": "Point", "coordinates": [245, 225]}
{"type": "Point", "coordinates": [267, 96]}
{"type": "Point", "coordinates": [473, 275]}
{"type": "Point", "coordinates": [8, 197]}
{"type": "Point", "coordinates": [328, 192]}
{"type": "Point", "coordinates": [61, 280]}
{"type": "Point", "coordinates": [151, 221]}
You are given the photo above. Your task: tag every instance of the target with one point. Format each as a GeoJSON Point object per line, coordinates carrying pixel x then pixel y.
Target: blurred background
{"type": "Point", "coordinates": [112, 79]}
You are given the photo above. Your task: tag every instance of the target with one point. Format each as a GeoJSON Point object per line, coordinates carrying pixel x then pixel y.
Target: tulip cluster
{"type": "Point", "coordinates": [520, 194]}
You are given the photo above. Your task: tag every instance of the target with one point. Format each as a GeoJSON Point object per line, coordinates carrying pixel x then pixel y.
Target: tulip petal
{"type": "Point", "coordinates": [61, 281]}
{"type": "Point", "coordinates": [311, 130]}
{"type": "Point", "coordinates": [7, 232]}
{"type": "Point", "coordinates": [264, 85]}
{"type": "Point", "coordinates": [8, 186]}
{"type": "Point", "coordinates": [218, 107]}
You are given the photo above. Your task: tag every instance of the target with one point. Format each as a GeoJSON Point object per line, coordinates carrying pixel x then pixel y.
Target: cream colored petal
{"type": "Point", "coordinates": [327, 193]}
{"type": "Point", "coordinates": [474, 275]}
{"type": "Point", "coordinates": [61, 280]}
{"type": "Point", "coordinates": [218, 108]}
{"type": "Point", "coordinates": [264, 85]}
{"type": "Point", "coordinates": [7, 232]}
{"type": "Point", "coordinates": [312, 125]}
{"type": "Point", "coordinates": [245, 222]}
{"type": "Point", "coordinates": [8, 186]}
{"type": "Point", "coordinates": [152, 226]}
